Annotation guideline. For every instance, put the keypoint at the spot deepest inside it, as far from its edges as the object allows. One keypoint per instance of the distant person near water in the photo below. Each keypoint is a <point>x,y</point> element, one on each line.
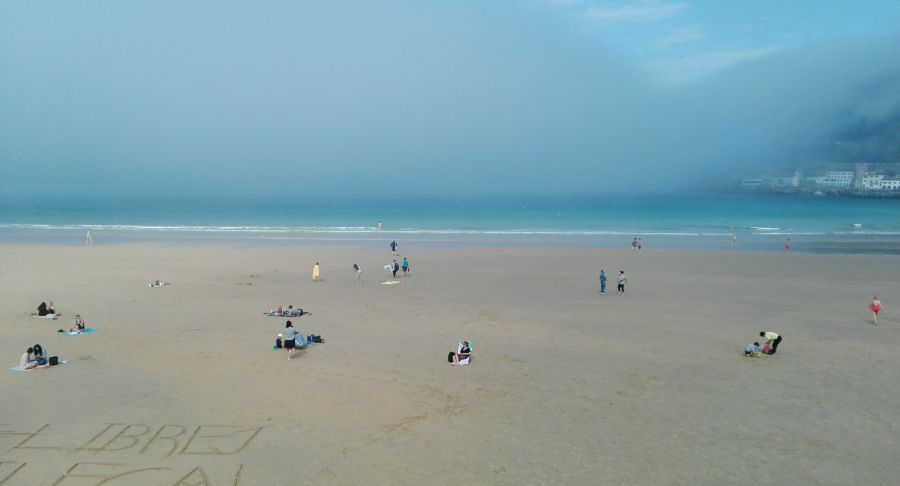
<point>621,281</point>
<point>787,245</point>
<point>773,339</point>
<point>88,239</point>
<point>394,268</point>
<point>394,246</point>
<point>875,306</point>
<point>640,245</point>
<point>405,267</point>
<point>602,282</point>
<point>634,244</point>
<point>733,241</point>
<point>358,271</point>
<point>315,273</point>
<point>379,226</point>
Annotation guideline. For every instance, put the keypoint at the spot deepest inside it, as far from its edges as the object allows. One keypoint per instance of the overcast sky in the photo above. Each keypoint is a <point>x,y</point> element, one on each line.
<point>171,98</point>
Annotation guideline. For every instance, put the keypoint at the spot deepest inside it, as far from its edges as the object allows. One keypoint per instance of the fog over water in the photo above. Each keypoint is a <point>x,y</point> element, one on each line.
<point>201,99</point>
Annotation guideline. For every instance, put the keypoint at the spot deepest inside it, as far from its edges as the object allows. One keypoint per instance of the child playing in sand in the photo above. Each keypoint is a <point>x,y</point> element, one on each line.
<point>752,350</point>
<point>875,307</point>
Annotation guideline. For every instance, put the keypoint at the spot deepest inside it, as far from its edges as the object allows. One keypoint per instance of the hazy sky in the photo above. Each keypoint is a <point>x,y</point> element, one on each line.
<point>293,99</point>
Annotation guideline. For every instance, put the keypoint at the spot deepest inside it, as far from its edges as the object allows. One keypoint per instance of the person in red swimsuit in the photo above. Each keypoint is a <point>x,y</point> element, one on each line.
<point>875,307</point>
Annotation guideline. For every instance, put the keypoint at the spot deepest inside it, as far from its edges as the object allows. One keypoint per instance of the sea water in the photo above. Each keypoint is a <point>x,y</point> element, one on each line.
<point>703,221</point>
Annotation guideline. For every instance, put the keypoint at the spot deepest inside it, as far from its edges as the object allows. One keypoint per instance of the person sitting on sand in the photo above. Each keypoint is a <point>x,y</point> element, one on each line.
<point>40,358</point>
<point>50,309</point>
<point>291,312</point>
<point>280,311</point>
<point>78,328</point>
<point>773,339</point>
<point>26,361</point>
<point>290,339</point>
<point>752,350</point>
<point>464,352</point>
<point>42,310</point>
<point>875,307</point>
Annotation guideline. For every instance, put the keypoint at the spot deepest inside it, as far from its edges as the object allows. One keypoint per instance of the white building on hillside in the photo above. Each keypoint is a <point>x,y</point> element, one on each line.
<point>837,179</point>
<point>872,182</point>
<point>890,184</point>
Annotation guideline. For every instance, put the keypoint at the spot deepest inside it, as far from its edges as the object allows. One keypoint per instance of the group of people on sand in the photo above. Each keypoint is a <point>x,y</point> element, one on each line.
<point>45,310</point>
<point>32,358</point>
<point>620,282</point>
<point>288,311</point>
<point>392,267</point>
<point>772,340</point>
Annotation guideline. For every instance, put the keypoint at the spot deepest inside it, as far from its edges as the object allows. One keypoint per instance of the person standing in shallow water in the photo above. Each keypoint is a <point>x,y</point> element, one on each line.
<point>602,282</point>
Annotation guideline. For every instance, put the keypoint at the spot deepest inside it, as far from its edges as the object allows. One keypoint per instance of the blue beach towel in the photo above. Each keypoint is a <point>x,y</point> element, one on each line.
<point>87,330</point>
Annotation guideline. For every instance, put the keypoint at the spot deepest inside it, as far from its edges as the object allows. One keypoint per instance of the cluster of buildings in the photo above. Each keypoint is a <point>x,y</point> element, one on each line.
<point>858,181</point>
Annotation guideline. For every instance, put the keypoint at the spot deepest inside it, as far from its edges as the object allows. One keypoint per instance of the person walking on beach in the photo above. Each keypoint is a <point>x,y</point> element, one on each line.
<point>358,270</point>
<point>88,239</point>
<point>875,306</point>
<point>773,339</point>
<point>621,281</point>
<point>634,244</point>
<point>394,247</point>
<point>733,241</point>
<point>602,282</point>
<point>405,267</point>
<point>787,245</point>
<point>640,245</point>
<point>315,273</point>
<point>394,268</point>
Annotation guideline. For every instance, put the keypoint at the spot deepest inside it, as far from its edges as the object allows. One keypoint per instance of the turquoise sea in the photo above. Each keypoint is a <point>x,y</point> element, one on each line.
<point>703,221</point>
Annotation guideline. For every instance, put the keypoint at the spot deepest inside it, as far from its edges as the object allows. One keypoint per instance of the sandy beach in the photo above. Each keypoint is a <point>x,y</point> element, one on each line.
<point>180,385</point>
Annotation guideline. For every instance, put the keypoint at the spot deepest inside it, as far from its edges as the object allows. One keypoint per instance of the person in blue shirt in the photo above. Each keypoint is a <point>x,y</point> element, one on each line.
<point>752,350</point>
<point>405,266</point>
<point>602,282</point>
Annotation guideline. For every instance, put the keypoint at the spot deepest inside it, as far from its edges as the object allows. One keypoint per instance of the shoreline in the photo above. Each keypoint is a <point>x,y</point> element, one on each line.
<point>850,244</point>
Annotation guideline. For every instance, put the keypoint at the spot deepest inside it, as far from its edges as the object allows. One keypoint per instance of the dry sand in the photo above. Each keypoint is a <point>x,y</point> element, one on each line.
<point>566,387</point>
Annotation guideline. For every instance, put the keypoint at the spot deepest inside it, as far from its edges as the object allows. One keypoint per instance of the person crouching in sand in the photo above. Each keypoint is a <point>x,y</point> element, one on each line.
<point>752,350</point>
<point>875,307</point>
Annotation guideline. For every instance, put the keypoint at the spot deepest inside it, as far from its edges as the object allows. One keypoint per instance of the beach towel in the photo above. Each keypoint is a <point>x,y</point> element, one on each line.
<point>41,367</point>
<point>48,316</point>
<point>392,282</point>
<point>86,330</point>
<point>161,285</point>
<point>459,348</point>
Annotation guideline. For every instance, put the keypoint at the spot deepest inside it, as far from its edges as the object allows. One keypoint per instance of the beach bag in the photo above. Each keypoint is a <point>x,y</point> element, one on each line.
<point>54,360</point>
<point>278,343</point>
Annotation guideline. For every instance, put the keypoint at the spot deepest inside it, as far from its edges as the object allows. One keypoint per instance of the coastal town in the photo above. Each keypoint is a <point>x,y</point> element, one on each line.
<point>857,180</point>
